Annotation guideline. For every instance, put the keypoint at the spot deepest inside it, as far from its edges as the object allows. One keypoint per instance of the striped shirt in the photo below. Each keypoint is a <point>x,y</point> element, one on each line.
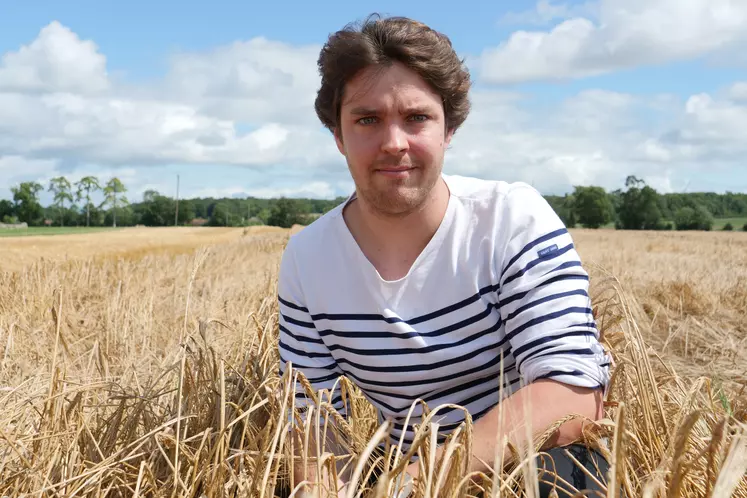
<point>500,283</point>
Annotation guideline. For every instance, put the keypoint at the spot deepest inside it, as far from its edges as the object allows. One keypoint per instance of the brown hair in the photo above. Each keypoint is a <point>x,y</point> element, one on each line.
<point>385,41</point>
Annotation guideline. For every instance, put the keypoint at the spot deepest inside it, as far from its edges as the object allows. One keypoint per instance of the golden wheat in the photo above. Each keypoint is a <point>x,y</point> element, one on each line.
<point>154,373</point>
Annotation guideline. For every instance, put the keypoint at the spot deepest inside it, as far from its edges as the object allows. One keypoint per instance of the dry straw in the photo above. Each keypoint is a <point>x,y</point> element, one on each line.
<point>157,376</point>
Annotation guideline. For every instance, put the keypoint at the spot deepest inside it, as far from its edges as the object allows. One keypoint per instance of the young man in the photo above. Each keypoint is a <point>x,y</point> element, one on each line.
<point>422,285</point>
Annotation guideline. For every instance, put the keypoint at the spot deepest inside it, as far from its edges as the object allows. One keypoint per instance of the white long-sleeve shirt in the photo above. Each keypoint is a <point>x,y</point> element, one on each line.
<point>499,281</point>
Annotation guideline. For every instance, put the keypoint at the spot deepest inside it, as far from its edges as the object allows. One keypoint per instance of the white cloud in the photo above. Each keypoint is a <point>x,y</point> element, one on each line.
<point>629,33</point>
<point>56,101</point>
<point>315,190</point>
<point>546,12</point>
<point>599,137</point>
<point>252,81</point>
<point>57,60</point>
<point>738,91</point>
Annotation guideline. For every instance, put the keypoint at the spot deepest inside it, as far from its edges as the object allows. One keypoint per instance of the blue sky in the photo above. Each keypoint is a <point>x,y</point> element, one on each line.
<point>221,93</point>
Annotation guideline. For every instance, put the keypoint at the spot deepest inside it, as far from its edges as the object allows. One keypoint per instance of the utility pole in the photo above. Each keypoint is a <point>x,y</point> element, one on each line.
<point>176,214</point>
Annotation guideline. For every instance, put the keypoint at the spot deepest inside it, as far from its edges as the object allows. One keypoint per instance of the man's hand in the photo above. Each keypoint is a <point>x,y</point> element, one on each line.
<point>548,402</point>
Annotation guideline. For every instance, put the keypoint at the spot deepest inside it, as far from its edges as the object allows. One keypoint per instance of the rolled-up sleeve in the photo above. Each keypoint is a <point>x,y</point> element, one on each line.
<point>299,344</point>
<point>544,299</point>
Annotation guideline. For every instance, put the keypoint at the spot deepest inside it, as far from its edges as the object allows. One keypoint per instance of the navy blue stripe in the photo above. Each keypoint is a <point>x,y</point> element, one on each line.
<point>547,318</point>
<point>544,238</point>
<point>454,390</point>
<point>298,366</point>
<point>326,378</point>
<point>433,380</point>
<point>420,368</point>
<point>605,365</point>
<point>575,292</point>
<point>300,323</point>
<point>541,259</point>
<point>558,373</point>
<point>367,334</point>
<point>521,295</point>
<point>507,370</point>
<point>548,338</point>
<point>412,321</point>
<point>312,340</point>
<point>464,403</point>
<point>292,305</point>
<point>565,266</point>
<point>427,349</point>
<point>305,354</point>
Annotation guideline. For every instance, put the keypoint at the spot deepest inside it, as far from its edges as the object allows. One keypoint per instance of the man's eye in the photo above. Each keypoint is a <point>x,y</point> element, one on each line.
<point>367,120</point>
<point>419,117</point>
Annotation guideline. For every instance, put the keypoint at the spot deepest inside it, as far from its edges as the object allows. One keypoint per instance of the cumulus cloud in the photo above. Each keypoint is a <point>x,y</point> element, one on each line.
<point>546,12</point>
<point>57,60</point>
<point>628,33</point>
<point>738,91</point>
<point>599,137</point>
<point>252,81</point>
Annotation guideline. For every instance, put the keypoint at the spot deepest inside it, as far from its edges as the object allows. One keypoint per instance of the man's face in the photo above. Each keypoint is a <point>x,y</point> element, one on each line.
<point>392,133</point>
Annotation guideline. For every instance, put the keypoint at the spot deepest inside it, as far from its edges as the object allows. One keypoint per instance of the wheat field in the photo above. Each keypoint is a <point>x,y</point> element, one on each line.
<point>143,363</point>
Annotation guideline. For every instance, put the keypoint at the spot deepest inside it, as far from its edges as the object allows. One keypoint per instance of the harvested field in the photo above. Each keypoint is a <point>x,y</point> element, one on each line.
<point>18,252</point>
<point>154,374</point>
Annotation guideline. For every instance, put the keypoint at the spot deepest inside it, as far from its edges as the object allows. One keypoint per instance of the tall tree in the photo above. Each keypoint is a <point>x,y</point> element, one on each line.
<point>26,199</point>
<point>593,207</point>
<point>62,190</point>
<point>113,196</point>
<point>6,211</point>
<point>85,186</point>
<point>639,206</point>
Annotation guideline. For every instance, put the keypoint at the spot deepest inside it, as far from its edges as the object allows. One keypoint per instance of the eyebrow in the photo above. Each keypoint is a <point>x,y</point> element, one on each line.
<point>363,111</point>
<point>366,111</point>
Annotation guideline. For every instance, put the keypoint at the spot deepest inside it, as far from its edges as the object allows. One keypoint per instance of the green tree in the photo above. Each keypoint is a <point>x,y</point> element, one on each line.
<point>158,210</point>
<point>6,209</point>
<point>639,207</point>
<point>113,197</point>
<point>285,213</point>
<point>563,207</point>
<point>85,186</point>
<point>698,218</point>
<point>592,206</point>
<point>62,190</point>
<point>221,216</point>
<point>26,199</point>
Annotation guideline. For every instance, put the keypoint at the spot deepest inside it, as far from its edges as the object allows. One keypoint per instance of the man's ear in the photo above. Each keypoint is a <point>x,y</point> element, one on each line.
<point>338,140</point>
<point>447,137</point>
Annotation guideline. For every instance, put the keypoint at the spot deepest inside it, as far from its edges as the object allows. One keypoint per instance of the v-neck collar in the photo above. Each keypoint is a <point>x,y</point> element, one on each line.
<point>433,244</point>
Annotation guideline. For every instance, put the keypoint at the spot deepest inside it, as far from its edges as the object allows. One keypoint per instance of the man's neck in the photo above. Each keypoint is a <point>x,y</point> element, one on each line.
<point>391,243</point>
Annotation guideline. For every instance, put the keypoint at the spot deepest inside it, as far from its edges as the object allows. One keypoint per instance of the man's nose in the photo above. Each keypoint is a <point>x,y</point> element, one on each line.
<point>395,140</point>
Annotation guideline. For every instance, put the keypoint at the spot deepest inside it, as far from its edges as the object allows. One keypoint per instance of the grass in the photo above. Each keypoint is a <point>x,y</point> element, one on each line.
<point>155,375</point>
<point>30,231</point>
<point>738,223</point>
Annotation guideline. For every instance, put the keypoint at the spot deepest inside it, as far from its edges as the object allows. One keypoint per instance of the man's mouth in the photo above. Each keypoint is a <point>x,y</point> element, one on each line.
<point>396,171</point>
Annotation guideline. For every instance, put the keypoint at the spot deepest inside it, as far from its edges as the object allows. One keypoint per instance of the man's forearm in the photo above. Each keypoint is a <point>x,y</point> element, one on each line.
<point>533,408</point>
<point>536,406</point>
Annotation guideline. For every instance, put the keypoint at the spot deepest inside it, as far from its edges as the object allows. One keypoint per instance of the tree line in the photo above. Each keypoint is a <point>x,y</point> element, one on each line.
<point>73,205</point>
<point>637,206</point>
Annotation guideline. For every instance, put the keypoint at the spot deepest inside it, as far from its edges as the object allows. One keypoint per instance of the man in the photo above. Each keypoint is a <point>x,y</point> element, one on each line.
<point>422,285</point>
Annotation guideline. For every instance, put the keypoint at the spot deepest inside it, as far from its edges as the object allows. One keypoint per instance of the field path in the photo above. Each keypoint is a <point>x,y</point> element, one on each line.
<point>18,252</point>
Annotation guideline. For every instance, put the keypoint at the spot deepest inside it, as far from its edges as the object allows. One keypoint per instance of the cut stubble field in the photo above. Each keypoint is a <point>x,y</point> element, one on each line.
<point>142,362</point>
